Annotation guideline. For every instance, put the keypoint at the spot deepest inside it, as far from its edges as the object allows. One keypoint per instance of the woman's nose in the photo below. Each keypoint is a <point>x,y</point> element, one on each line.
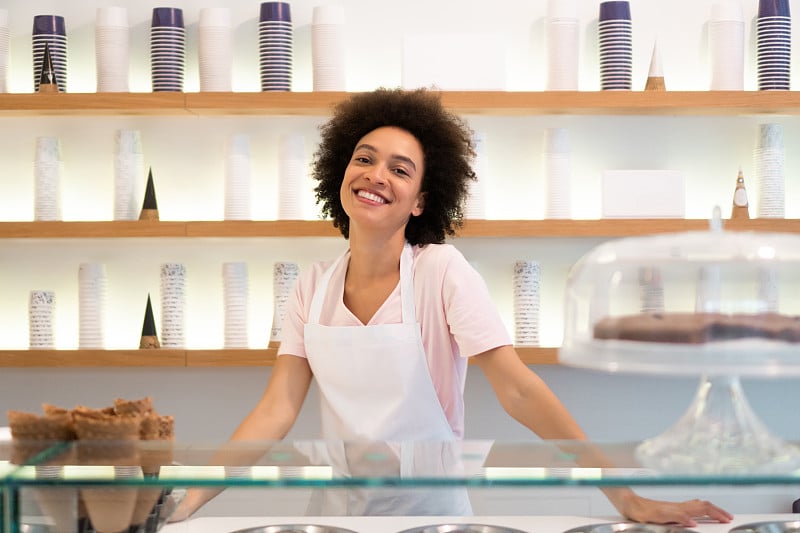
<point>376,175</point>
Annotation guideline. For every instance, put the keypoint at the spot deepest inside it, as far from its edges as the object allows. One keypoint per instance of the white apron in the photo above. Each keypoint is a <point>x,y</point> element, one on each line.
<point>375,385</point>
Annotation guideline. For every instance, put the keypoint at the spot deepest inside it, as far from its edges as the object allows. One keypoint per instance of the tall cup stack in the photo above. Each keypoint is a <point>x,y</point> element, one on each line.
<point>284,275</point>
<point>4,39</point>
<point>112,49</point>
<point>328,48</point>
<point>167,49</point>
<point>47,169</point>
<point>173,305</point>
<point>557,173</point>
<point>92,294</point>
<point>774,45</point>
<point>235,291</point>
<point>291,177</point>
<point>476,201</point>
<point>527,283</point>
<point>769,158</point>
<point>129,174</point>
<point>615,42</point>
<point>562,45</point>
<point>726,46</point>
<point>215,49</point>
<point>50,31</point>
<point>41,312</point>
<point>237,178</point>
<point>275,46</point>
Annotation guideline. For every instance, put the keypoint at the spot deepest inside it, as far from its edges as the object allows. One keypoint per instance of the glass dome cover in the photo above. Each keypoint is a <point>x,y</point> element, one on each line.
<point>700,302</point>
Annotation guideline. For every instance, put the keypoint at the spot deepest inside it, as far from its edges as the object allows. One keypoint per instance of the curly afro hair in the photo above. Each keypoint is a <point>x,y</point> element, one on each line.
<point>446,144</point>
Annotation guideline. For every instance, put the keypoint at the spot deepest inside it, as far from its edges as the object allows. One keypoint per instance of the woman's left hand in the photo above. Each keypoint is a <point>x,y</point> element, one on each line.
<point>639,509</point>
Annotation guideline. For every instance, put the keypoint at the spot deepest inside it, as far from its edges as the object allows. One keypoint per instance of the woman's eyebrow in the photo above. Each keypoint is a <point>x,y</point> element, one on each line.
<point>398,157</point>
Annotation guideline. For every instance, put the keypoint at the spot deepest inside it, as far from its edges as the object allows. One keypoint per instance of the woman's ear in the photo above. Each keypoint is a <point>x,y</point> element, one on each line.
<point>419,207</point>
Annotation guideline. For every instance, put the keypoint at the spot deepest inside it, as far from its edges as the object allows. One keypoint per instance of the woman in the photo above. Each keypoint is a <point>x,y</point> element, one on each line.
<point>386,328</point>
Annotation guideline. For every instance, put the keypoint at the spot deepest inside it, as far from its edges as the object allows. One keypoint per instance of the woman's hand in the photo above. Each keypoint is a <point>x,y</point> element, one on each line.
<point>639,509</point>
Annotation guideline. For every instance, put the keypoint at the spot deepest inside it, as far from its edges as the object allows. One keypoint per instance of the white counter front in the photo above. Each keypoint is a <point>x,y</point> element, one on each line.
<point>395,524</point>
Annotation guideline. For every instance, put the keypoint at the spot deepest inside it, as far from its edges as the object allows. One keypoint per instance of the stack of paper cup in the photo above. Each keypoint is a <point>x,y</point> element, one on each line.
<point>275,46</point>
<point>651,288</point>
<point>235,292</point>
<point>41,311</point>
<point>476,201</point>
<point>768,289</point>
<point>284,276</point>
<point>726,46</point>
<point>774,43</point>
<point>173,305</point>
<point>237,178</point>
<point>527,282</point>
<point>328,48</point>
<point>129,174</point>
<point>91,305</point>
<point>112,49</point>
<point>769,158</point>
<point>167,49</point>
<point>615,33</point>
<point>215,49</point>
<point>557,173</point>
<point>4,32</point>
<point>47,179</point>
<point>291,176</point>
<point>562,43</point>
<point>50,31</point>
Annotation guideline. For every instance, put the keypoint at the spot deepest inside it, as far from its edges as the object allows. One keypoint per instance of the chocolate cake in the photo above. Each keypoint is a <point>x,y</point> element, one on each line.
<point>698,328</point>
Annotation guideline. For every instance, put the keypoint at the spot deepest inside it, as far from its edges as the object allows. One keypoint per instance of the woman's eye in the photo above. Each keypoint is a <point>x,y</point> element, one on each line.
<point>401,171</point>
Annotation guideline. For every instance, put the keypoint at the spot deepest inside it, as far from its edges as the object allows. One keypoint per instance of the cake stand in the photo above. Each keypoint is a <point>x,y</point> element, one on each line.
<point>733,273</point>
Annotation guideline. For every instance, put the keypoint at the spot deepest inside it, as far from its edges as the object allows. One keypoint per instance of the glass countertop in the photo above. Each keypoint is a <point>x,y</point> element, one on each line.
<point>352,464</point>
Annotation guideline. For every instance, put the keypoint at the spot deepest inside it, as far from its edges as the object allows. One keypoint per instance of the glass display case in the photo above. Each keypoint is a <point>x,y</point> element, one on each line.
<point>114,486</point>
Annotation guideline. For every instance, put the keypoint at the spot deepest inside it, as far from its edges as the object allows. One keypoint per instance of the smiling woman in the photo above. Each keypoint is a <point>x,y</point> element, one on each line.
<point>386,329</point>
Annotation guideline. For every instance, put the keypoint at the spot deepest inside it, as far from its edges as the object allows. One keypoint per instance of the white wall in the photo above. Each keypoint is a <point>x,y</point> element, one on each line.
<point>185,154</point>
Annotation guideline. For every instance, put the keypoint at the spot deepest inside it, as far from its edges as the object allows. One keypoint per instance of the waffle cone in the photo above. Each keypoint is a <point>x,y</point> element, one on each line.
<point>140,407</point>
<point>146,500</point>
<point>107,440</point>
<point>109,509</point>
<point>32,434</point>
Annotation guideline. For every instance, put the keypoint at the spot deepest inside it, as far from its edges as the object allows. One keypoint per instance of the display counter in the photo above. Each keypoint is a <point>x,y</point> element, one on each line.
<point>84,486</point>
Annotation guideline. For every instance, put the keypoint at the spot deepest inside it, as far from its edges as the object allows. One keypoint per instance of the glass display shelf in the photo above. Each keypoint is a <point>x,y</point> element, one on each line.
<point>97,486</point>
<point>345,464</point>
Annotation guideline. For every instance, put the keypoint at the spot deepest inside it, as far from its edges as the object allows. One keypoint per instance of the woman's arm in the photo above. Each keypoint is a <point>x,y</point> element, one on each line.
<point>528,399</point>
<point>270,420</point>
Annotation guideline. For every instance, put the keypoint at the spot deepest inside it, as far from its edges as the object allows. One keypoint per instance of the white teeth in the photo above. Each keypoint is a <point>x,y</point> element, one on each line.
<point>370,196</point>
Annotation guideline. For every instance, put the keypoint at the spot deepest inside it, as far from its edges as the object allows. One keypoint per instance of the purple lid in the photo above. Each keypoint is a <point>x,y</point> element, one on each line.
<point>615,10</point>
<point>49,25</point>
<point>773,8</point>
<point>167,16</point>
<point>275,11</point>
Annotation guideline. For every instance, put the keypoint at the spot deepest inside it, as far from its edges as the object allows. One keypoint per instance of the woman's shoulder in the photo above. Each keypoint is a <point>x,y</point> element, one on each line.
<point>439,256</point>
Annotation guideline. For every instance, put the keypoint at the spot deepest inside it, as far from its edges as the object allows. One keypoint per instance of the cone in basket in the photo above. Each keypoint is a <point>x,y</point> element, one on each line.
<point>149,338</point>
<point>48,82</point>
<point>107,439</point>
<point>655,77</point>
<point>149,205</point>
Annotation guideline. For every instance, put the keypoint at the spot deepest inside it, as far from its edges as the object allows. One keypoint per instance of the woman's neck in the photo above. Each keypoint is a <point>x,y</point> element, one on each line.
<point>374,258</point>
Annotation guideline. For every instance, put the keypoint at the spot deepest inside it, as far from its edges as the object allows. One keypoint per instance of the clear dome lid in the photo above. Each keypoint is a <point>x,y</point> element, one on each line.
<point>719,302</point>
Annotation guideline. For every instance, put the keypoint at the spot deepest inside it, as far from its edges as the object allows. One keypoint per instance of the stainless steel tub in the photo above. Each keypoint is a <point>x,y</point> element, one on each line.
<point>629,527</point>
<point>295,528</point>
<point>793,526</point>
<point>462,528</point>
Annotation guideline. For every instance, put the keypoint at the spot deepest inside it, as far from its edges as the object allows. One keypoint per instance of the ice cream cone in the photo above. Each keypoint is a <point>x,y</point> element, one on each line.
<point>149,338</point>
<point>149,205</point>
<point>48,82</point>
<point>655,77</point>
<point>108,440</point>
<point>32,435</point>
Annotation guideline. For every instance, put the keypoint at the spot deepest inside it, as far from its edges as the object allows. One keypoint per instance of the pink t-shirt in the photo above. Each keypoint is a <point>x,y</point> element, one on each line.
<point>454,309</point>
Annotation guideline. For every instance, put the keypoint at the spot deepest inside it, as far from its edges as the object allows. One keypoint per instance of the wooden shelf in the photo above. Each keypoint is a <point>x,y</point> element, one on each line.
<point>185,358</point>
<point>464,102</point>
<point>322,228</point>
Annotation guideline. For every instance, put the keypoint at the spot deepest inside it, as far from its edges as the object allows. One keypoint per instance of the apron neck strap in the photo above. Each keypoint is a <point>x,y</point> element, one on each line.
<point>406,287</point>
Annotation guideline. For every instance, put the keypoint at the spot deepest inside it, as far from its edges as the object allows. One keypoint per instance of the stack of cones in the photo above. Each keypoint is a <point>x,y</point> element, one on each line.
<point>131,437</point>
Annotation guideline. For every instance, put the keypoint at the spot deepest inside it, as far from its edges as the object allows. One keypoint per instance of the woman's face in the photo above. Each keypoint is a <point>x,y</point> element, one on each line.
<point>381,186</point>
